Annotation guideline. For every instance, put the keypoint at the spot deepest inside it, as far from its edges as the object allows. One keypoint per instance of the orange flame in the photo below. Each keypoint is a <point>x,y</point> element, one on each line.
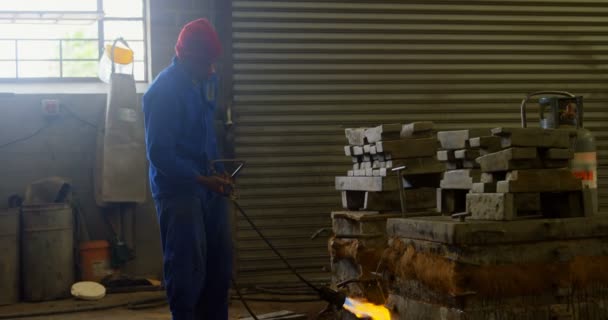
<point>363,309</point>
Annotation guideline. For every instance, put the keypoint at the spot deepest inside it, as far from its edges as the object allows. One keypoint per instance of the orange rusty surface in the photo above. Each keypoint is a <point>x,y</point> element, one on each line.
<point>446,276</point>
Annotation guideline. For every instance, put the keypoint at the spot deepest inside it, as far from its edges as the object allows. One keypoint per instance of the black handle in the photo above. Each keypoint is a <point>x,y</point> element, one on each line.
<point>524,120</point>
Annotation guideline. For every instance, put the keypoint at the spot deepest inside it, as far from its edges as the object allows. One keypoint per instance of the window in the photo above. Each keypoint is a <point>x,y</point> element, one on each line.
<point>64,38</point>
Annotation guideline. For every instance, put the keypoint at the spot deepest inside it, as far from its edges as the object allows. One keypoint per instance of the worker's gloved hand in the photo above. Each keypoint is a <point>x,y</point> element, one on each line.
<point>218,183</point>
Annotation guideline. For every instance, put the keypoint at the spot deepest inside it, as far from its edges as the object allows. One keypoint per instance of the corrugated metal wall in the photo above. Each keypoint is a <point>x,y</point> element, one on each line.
<point>303,69</point>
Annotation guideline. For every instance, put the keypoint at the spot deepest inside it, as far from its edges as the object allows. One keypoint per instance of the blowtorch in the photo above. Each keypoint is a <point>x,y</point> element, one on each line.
<point>327,294</point>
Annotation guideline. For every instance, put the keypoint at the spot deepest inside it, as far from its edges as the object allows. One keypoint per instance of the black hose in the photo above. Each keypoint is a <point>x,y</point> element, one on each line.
<point>238,292</point>
<point>289,266</point>
<point>279,300</point>
<point>286,291</point>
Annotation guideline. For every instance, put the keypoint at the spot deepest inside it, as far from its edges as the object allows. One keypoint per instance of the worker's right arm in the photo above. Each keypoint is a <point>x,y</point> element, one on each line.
<point>162,123</point>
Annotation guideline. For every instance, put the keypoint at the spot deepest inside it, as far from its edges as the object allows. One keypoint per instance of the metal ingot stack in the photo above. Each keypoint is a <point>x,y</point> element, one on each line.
<point>373,184</point>
<point>530,249</point>
<point>371,195</point>
<point>462,170</point>
<point>528,178</point>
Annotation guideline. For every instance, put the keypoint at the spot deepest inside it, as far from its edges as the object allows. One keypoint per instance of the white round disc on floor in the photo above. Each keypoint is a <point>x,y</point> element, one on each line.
<point>88,290</point>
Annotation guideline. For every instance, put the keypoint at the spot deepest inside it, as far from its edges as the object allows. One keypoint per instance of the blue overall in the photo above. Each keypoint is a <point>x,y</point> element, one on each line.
<point>194,223</point>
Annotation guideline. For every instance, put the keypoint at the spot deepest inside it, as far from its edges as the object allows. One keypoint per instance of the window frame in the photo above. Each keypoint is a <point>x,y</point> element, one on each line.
<point>101,41</point>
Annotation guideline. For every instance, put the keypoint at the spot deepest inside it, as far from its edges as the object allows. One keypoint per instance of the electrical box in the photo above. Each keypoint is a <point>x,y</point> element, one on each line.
<point>50,107</point>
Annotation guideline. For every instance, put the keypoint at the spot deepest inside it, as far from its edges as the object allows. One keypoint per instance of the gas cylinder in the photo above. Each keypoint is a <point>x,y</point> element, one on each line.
<point>564,111</point>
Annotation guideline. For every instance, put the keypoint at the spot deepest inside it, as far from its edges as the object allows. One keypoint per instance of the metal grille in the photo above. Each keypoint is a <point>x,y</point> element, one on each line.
<point>303,70</point>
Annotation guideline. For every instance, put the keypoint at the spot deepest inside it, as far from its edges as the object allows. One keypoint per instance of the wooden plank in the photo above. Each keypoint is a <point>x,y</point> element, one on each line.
<point>460,179</point>
<point>557,154</point>
<point>419,198</point>
<point>504,160</point>
<point>540,180</point>
<point>417,130</point>
<point>533,137</point>
<point>458,139</point>
<point>446,155</point>
<point>481,187</point>
<point>417,165</point>
<point>555,164</point>
<point>488,143</point>
<point>383,132</point>
<point>355,136</point>
<point>467,154</point>
<point>366,183</point>
<point>527,202</point>
<point>405,149</point>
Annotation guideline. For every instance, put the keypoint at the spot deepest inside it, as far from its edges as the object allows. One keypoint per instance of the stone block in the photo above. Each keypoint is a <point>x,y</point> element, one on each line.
<point>460,179</point>
<point>348,151</point>
<point>503,206</point>
<point>355,136</point>
<point>446,155</point>
<point>445,230</point>
<point>366,183</point>
<point>359,223</point>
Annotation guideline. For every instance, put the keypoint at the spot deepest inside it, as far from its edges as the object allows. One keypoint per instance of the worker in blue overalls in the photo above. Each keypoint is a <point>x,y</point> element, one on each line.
<point>179,110</point>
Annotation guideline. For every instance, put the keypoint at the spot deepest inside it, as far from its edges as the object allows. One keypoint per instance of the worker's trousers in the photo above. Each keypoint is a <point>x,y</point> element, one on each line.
<point>197,250</point>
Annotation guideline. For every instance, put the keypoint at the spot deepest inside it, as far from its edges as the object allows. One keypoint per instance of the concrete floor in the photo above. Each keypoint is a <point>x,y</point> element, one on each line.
<point>159,313</point>
<point>236,312</point>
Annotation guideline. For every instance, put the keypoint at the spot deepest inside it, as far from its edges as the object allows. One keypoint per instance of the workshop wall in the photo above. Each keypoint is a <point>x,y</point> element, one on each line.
<point>66,145</point>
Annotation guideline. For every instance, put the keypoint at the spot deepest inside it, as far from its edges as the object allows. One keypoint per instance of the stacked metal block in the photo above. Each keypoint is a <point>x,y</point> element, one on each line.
<point>373,184</point>
<point>459,156</point>
<point>529,177</point>
<point>372,192</point>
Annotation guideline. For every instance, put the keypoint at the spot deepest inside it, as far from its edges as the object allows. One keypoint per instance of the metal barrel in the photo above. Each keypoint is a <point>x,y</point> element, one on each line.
<point>47,251</point>
<point>9,256</point>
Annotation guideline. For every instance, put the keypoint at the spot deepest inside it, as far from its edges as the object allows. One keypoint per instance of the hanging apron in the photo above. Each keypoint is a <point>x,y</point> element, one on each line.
<point>121,167</point>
